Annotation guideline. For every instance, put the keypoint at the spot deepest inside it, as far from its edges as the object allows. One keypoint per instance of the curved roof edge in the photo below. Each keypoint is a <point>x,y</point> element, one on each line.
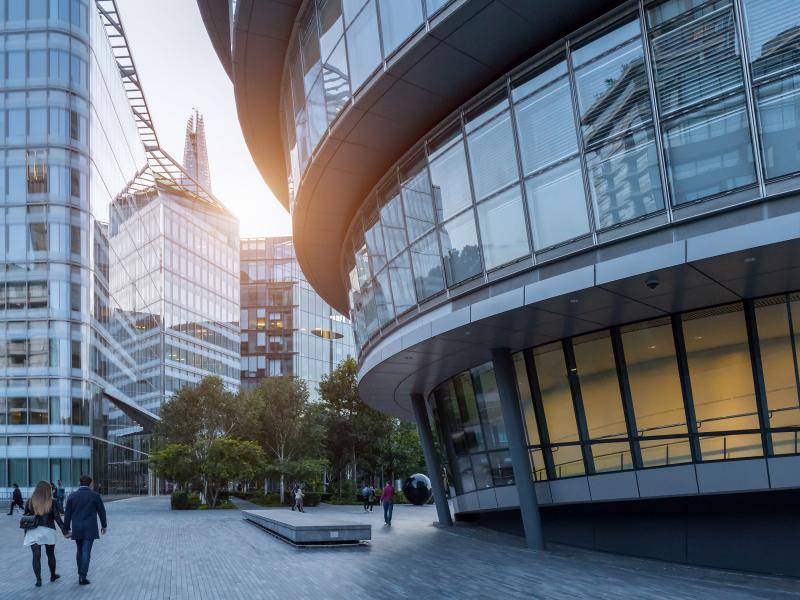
<point>261,36</point>
<point>216,18</point>
<point>463,50</point>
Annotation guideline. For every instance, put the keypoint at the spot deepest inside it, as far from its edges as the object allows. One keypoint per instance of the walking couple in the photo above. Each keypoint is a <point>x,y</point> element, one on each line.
<point>83,508</point>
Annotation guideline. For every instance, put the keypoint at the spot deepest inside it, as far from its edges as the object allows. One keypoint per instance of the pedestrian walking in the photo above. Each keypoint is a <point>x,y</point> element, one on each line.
<point>84,507</point>
<point>60,493</point>
<point>16,500</point>
<point>365,496</point>
<point>41,530</point>
<point>371,497</point>
<point>298,498</point>
<point>387,499</point>
<point>294,495</point>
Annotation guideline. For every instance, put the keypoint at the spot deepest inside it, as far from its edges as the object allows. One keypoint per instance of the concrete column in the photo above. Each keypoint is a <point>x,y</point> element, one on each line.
<point>431,459</point>
<point>517,446</point>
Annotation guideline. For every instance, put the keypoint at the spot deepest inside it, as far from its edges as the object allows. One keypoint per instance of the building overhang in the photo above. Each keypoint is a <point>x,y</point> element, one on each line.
<point>749,253</point>
<point>216,18</point>
<point>141,416</point>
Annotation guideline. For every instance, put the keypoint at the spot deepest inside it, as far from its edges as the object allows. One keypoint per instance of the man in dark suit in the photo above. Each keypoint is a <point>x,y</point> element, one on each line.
<point>84,506</point>
<point>16,500</point>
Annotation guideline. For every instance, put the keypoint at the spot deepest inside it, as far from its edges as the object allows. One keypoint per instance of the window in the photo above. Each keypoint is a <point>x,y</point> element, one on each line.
<point>491,151</point>
<point>557,205</point>
<point>383,298</point>
<point>779,120</point>
<point>18,411</point>
<point>37,64</point>
<point>504,237</point>
<point>363,45</point>
<point>75,183</point>
<point>336,81</point>
<point>399,19</point>
<point>656,391</point>
<point>462,256</point>
<point>402,283</point>
<point>602,403</point>
<point>394,232</point>
<point>450,180</point>
<point>771,36</point>
<point>38,236</point>
<point>722,381</point>
<point>375,247</point>
<point>331,25</point>
<point>36,171</point>
<point>491,415</point>
<point>417,199</point>
<point>778,367</point>
<point>76,355</point>
<point>529,417</point>
<point>551,372</point>
<point>427,264</point>
<point>16,65</point>
<point>456,402</point>
<point>38,407</point>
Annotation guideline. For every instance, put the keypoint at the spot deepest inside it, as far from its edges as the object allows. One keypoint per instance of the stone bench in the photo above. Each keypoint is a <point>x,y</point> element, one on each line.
<point>309,529</point>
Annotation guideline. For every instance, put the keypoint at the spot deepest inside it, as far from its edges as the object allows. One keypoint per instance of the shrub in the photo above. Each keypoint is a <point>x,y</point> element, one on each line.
<point>184,500</point>
<point>311,499</point>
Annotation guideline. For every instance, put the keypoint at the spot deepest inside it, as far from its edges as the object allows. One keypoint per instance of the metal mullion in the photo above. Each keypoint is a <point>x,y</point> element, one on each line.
<point>686,388</point>
<point>657,131</point>
<point>576,114</point>
<point>538,409</point>
<point>512,113</point>
<point>473,199</point>
<point>744,56</point>
<point>794,346</point>
<point>754,347</point>
<point>577,404</point>
<point>625,394</point>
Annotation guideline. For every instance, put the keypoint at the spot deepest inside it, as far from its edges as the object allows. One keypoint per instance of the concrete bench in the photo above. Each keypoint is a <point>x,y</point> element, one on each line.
<point>309,529</point>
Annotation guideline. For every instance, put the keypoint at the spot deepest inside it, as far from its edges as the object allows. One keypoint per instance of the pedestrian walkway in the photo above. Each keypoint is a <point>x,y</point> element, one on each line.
<point>152,553</point>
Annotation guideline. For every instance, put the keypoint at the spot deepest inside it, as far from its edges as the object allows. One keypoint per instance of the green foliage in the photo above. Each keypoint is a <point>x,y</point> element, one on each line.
<point>230,459</point>
<point>184,501</point>
<point>175,462</point>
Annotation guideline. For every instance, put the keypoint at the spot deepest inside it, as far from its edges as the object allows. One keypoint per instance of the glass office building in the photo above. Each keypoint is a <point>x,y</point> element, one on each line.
<point>566,235</point>
<point>287,329</point>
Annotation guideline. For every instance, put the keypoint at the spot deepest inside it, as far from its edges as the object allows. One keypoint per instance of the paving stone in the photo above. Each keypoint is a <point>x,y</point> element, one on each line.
<point>152,553</point>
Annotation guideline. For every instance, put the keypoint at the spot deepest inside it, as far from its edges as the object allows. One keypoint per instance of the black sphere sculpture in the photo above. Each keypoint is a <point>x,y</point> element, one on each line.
<point>417,489</point>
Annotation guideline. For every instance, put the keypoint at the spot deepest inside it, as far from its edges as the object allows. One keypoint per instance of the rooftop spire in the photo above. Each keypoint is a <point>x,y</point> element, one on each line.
<point>195,151</point>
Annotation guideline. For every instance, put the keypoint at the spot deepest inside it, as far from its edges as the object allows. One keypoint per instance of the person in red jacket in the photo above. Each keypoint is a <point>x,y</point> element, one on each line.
<point>387,499</point>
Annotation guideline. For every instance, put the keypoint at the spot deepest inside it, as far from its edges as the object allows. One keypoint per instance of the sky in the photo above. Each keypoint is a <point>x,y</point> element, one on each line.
<point>179,70</point>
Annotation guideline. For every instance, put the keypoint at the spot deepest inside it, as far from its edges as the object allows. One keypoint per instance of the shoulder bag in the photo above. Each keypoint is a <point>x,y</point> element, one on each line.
<point>29,522</point>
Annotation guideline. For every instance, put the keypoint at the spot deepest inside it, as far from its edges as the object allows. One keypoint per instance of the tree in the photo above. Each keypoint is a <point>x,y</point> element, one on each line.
<point>229,459</point>
<point>176,462</point>
<point>280,404</point>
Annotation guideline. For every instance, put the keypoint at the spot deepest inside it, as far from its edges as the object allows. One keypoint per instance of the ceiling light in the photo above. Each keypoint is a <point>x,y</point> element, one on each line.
<point>653,347</point>
<point>750,259</point>
<point>573,300</point>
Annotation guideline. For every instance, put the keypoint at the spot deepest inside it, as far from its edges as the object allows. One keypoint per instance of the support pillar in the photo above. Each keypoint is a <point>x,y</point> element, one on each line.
<point>515,430</point>
<point>431,459</point>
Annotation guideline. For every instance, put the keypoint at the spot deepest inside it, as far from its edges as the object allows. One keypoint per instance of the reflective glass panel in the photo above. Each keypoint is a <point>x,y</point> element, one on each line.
<point>309,48</point>
<point>450,181</point>
<point>602,403</point>
<point>557,205</point>
<point>709,151</point>
<point>399,19</point>
<point>778,367</point>
<point>462,256</point>
<point>624,178</point>
<point>551,372</point>
<point>613,92</point>
<point>722,381</point>
<point>779,125</point>
<point>377,250</point>
<point>335,81</point>
<point>529,417</point>
<point>331,25</point>
<point>402,282</point>
<point>363,45</point>
<point>465,476</point>
<point>545,120</point>
<point>394,231</point>
<point>502,469</point>
<point>772,39</point>
<point>383,298</point>
<point>494,427</point>
<point>503,233</point>
<point>492,156</point>
<point>482,471</point>
<point>656,391</point>
<point>458,405</point>
<point>428,274</point>
<point>417,199</point>
<point>696,55</point>
<point>433,5</point>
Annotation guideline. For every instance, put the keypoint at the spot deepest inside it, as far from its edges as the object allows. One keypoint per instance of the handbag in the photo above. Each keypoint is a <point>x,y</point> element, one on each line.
<point>29,522</point>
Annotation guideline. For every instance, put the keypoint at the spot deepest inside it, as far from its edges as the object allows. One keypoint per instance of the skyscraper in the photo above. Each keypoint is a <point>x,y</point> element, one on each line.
<point>195,151</point>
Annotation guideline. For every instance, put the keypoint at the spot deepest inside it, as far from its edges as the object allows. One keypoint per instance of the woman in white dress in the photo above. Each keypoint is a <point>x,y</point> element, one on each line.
<point>42,506</point>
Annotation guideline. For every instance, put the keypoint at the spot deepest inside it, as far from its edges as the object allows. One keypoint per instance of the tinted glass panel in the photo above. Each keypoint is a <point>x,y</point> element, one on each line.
<point>482,471</point>
<point>417,200</point>
<point>459,239</point>
<point>492,156</point>
<point>709,151</point>
<point>331,26</point>
<point>402,283</point>
<point>450,180</point>
<point>399,19</point>
<point>503,234</point>
<point>779,125</point>
<point>336,81</point>
<point>383,298</point>
<point>394,231</point>
<point>494,427</point>
<point>625,179</point>
<point>502,469</point>
<point>363,45</point>
<point>557,205</point>
<point>375,246</point>
<point>428,274</point>
<point>772,39</point>
<point>722,381</point>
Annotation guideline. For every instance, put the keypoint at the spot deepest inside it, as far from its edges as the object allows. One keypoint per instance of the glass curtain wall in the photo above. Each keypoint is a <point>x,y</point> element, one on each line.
<point>613,400</point>
<point>648,114</point>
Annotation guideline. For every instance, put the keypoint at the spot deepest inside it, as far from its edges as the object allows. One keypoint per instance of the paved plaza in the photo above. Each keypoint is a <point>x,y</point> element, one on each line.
<point>152,553</point>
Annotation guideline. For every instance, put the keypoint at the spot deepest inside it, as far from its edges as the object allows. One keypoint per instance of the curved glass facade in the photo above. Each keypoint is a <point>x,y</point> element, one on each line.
<point>715,384</point>
<point>665,112</point>
<point>339,44</point>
